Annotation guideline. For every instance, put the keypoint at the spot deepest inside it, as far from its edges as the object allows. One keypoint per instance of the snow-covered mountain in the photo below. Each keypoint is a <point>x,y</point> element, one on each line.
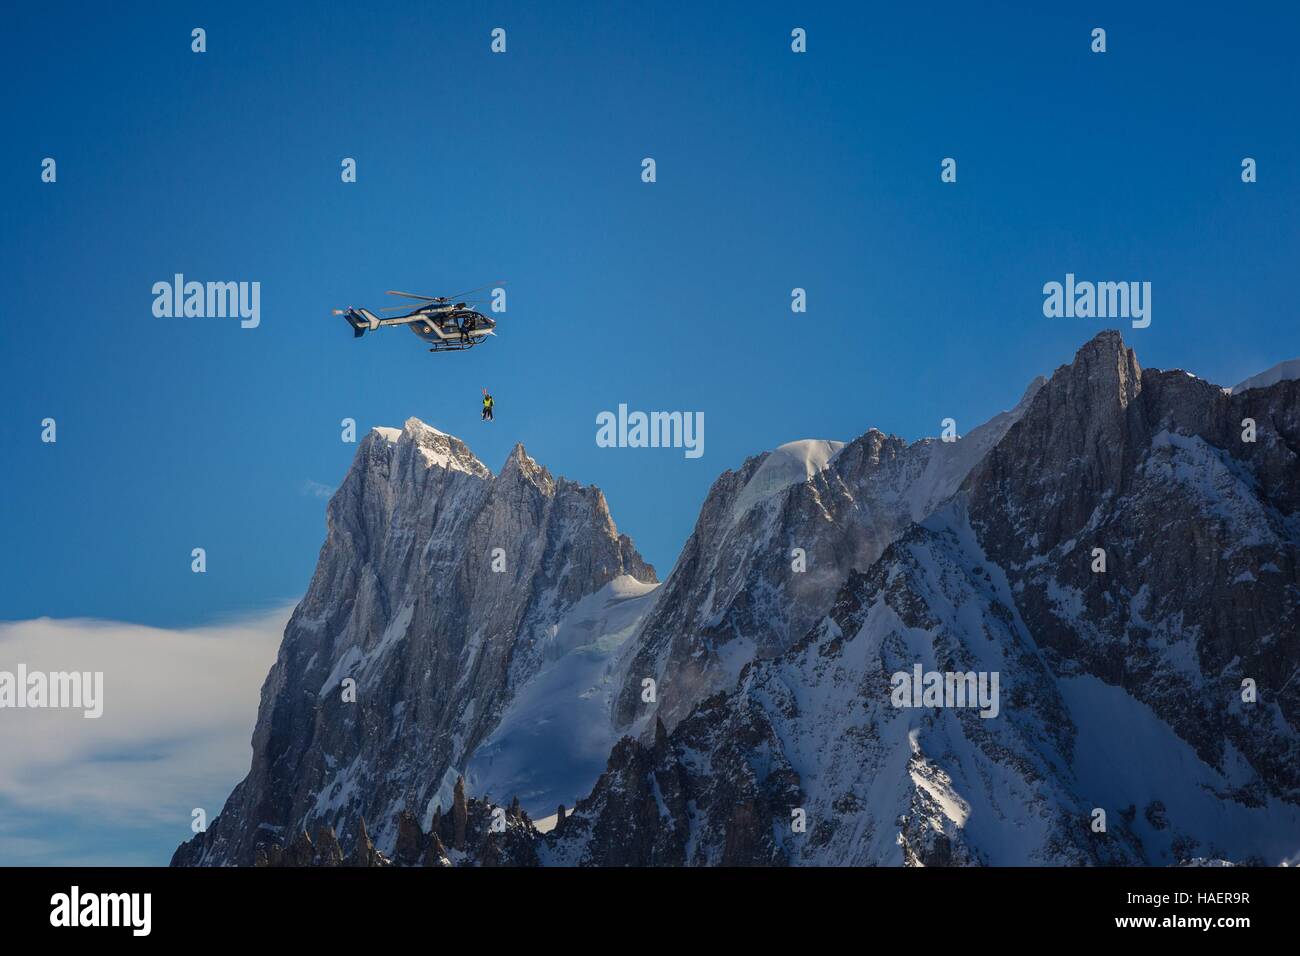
<point>1121,690</point>
<point>737,592</point>
<point>441,590</point>
<point>1280,372</point>
<point>1121,551</point>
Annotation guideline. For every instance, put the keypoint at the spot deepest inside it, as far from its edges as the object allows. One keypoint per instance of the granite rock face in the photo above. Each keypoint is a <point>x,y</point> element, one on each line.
<point>1122,557</point>
<point>1105,580</point>
<point>1200,531</point>
<point>437,590</point>
<point>772,545</point>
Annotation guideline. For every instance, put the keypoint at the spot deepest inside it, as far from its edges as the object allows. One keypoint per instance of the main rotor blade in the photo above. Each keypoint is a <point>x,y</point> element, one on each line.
<point>412,295</point>
<point>468,291</point>
<point>398,308</point>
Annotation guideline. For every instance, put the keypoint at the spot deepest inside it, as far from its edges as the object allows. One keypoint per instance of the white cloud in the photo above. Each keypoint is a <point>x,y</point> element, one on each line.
<point>179,709</point>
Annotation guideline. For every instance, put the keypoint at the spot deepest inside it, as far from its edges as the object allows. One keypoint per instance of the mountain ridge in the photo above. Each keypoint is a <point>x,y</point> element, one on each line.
<point>770,679</point>
<point>435,592</point>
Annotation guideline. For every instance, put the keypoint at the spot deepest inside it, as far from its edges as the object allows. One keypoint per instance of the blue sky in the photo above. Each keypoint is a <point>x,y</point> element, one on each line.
<point>775,170</point>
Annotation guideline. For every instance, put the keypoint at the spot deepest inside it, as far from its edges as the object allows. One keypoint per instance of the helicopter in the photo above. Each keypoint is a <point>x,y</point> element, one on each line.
<point>444,321</point>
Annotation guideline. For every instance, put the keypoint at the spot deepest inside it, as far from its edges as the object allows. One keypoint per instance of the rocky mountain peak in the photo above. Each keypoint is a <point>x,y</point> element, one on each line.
<point>439,449</point>
<point>1120,550</point>
<point>1122,553</point>
<point>520,466</point>
<point>436,595</point>
<point>772,544</point>
<point>1106,367</point>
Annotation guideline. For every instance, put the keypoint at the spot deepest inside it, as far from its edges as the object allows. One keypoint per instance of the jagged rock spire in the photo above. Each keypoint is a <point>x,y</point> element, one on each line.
<point>427,554</point>
<point>459,816</point>
<point>364,852</point>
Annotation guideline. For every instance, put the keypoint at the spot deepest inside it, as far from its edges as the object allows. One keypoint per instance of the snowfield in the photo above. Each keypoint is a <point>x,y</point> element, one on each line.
<point>789,464</point>
<point>1282,372</point>
<point>553,740</point>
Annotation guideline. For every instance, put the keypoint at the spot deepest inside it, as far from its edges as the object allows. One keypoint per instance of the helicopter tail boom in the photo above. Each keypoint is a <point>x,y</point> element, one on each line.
<point>361,320</point>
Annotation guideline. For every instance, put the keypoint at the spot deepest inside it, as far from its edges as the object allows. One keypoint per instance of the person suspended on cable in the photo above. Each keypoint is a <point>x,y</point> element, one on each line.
<point>487,406</point>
